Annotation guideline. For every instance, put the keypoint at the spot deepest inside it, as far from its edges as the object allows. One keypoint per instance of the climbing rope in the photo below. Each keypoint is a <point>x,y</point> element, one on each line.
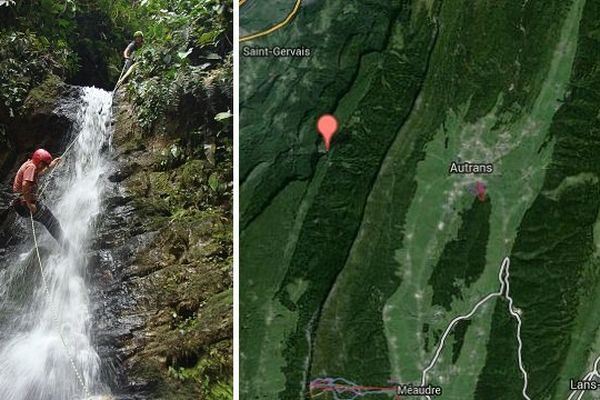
<point>54,312</point>
<point>67,149</point>
<point>125,69</point>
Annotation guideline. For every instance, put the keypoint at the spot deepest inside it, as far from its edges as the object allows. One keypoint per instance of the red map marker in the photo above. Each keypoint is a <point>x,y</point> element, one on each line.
<point>480,190</point>
<point>327,125</point>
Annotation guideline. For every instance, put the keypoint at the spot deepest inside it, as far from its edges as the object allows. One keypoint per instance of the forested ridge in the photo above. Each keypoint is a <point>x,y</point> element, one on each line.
<point>163,320</point>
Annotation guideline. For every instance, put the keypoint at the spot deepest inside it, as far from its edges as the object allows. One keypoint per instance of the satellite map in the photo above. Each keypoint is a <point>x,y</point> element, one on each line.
<point>419,197</point>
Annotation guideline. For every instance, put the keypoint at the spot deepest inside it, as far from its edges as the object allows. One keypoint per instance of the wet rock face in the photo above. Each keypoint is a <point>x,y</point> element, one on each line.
<point>10,234</point>
<point>162,272</point>
<point>45,121</point>
<point>48,114</point>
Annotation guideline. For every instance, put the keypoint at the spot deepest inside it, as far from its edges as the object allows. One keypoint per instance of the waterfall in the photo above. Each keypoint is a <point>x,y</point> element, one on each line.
<point>34,362</point>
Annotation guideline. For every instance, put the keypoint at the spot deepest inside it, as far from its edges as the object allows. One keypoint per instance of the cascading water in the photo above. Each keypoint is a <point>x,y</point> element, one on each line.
<point>34,362</point>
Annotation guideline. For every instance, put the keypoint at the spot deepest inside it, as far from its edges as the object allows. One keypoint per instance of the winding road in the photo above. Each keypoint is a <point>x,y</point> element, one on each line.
<point>342,386</point>
<point>275,27</point>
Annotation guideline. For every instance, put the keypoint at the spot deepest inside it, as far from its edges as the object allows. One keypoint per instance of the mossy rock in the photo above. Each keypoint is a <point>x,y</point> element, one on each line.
<point>44,98</point>
<point>161,185</point>
<point>212,372</point>
<point>192,173</point>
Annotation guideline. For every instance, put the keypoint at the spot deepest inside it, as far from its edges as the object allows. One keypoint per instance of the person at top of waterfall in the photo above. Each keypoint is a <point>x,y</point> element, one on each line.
<point>136,43</point>
<point>25,186</point>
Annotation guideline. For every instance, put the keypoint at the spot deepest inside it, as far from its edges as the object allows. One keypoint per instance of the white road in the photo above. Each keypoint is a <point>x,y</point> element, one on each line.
<point>504,291</point>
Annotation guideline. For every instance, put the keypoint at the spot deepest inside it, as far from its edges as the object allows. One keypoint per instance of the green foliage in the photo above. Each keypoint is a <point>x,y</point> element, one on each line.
<point>199,24</point>
<point>221,391</point>
<point>77,40</point>
<point>172,157</point>
<point>197,187</point>
<point>211,372</point>
<point>82,41</point>
<point>187,324</point>
<point>26,59</point>
<point>154,99</point>
<point>185,40</point>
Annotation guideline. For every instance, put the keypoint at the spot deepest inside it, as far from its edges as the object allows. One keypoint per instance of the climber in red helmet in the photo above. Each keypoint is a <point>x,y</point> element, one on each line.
<point>25,185</point>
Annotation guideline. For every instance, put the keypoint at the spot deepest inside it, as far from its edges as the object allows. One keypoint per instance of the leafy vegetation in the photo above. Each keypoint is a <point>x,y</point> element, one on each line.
<point>186,41</point>
<point>81,41</point>
<point>78,40</point>
<point>207,371</point>
<point>185,68</point>
<point>25,60</point>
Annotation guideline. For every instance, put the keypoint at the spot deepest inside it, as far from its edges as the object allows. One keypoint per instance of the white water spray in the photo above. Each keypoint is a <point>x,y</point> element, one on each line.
<point>34,363</point>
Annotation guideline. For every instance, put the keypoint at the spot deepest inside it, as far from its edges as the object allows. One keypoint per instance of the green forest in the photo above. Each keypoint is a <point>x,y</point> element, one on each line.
<point>81,42</point>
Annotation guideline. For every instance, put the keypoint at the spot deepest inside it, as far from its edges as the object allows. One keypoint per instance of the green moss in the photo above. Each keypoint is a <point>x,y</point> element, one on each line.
<point>26,59</point>
<point>44,96</point>
<point>212,372</point>
<point>192,173</point>
<point>184,194</point>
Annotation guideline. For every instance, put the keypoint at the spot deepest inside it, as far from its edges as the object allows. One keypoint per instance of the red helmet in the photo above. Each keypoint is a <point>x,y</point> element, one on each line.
<point>41,155</point>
